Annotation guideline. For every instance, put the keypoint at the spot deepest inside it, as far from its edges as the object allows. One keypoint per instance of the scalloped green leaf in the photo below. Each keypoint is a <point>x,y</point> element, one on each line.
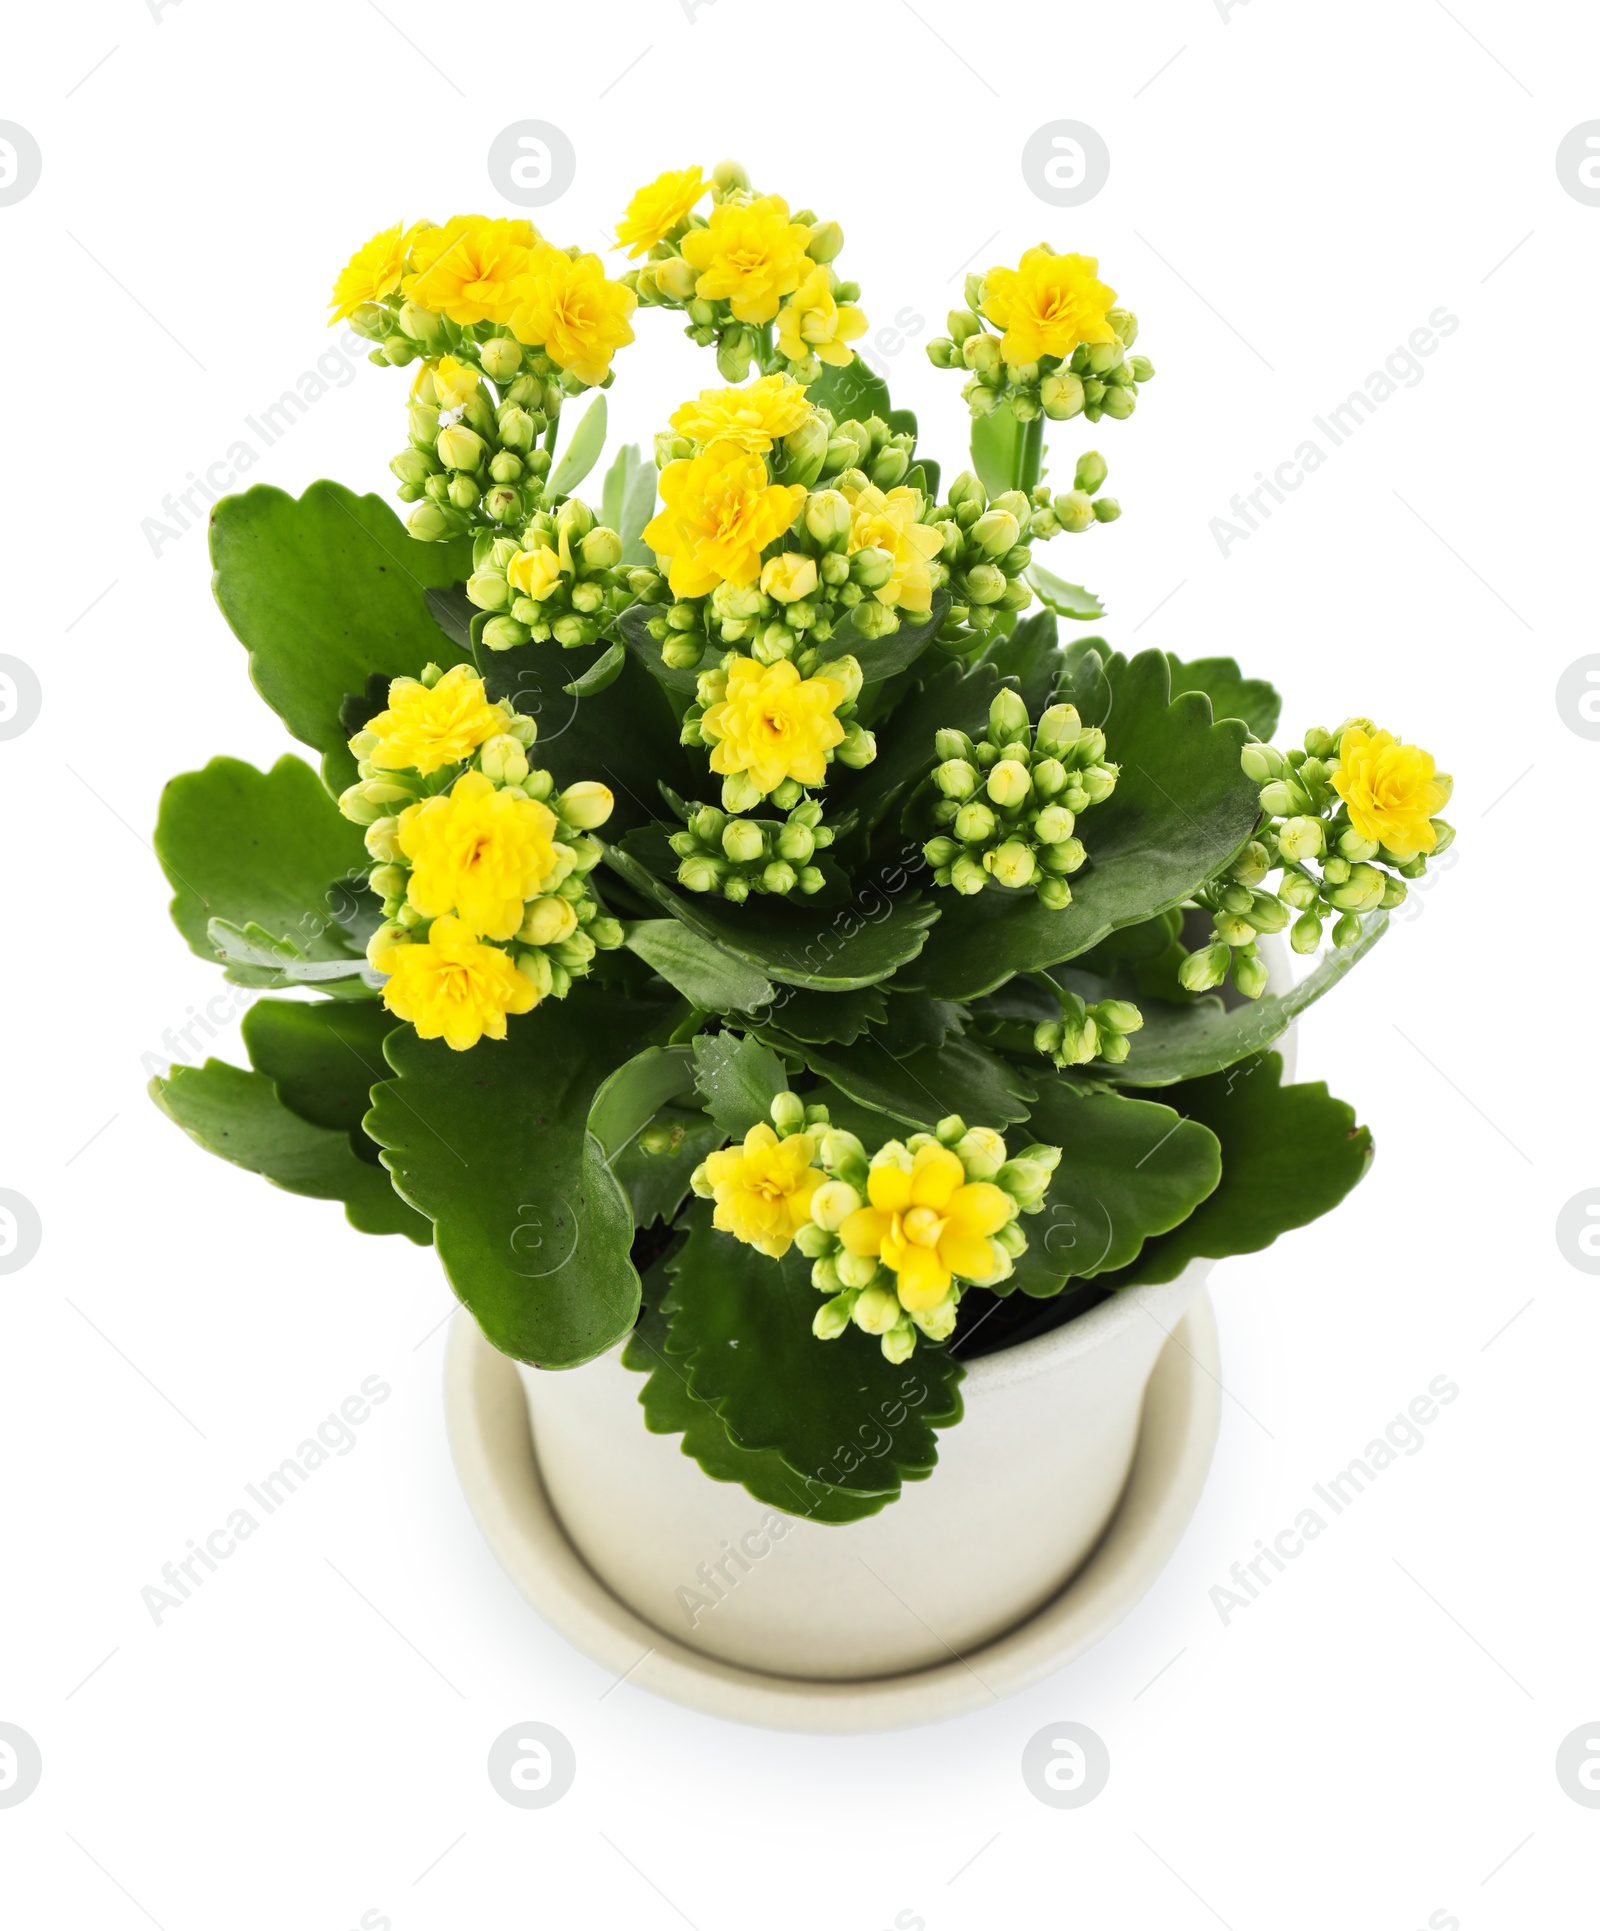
<point>826,1018</point>
<point>268,848</point>
<point>738,1078</point>
<point>831,949</point>
<point>1187,1042</point>
<point>581,453</point>
<point>626,1102</point>
<point>325,591</point>
<point>709,977</point>
<point>1181,808</point>
<point>601,674</point>
<point>852,393</point>
<point>324,1059</point>
<point>241,1117</point>
<point>839,1414</point>
<point>881,658</point>
<point>1289,1155</point>
<point>532,1226</point>
<point>1232,694</point>
<point>1130,1169</point>
<point>949,699</point>
<point>671,1409</point>
<point>926,1086</point>
<point>1068,600</point>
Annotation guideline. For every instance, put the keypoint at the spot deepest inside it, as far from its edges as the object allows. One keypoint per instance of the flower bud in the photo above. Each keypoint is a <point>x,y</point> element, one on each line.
<point>1054,824</point>
<point>858,747</point>
<point>1204,969</point>
<point>1267,914</point>
<point>827,238</point>
<point>1065,856</point>
<point>995,532</point>
<point>1261,764</point>
<point>1250,973</point>
<point>877,1309</point>
<point>967,874</point>
<point>460,447</point>
<point>1009,784</point>
<point>1061,395</point>
<point>1091,472</point>
<point>975,824</point>
<point>789,576</point>
<point>1053,893</point>
<point>701,874</point>
<point>956,779</point>
<point>1305,935</point>
<point>428,523</point>
<point>547,921</point>
<point>1059,729</point>
<point>1106,508</point>
<point>601,549</point>
<point>585,805</point>
<point>1012,864</point>
<point>744,841</point>
<point>1008,719</point>
<point>503,760</point>
<point>833,1317</point>
<point>950,744</point>
<point>871,567</point>
<point>488,590</point>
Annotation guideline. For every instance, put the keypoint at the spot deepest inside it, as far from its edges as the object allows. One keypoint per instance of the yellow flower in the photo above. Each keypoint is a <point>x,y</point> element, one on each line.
<point>658,208</point>
<point>1048,304</point>
<point>1391,790</point>
<point>811,322</point>
<point>372,272</point>
<point>929,1224</point>
<point>570,310</point>
<point>534,572</point>
<point>454,989</point>
<point>469,268</point>
<point>773,724</point>
<point>454,383</point>
<point>890,523</point>
<point>788,577</point>
<point>749,255</point>
<point>763,1189</point>
<point>720,514</point>
<point>479,853</point>
<point>754,417</point>
<point>423,730</point>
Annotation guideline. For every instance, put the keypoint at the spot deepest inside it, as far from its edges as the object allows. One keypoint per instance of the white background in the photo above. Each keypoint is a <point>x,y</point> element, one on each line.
<point>1294,188</point>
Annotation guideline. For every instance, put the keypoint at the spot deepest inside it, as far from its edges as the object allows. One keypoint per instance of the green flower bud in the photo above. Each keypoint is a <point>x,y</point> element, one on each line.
<point>744,841</point>
<point>1053,825</point>
<point>1250,973</point>
<point>538,969</point>
<point>488,591</point>
<point>982,1151</point>
<point>995,532</point>
<point>1059,729</point>
<point>1064,857</point>
<point>795,844</point>
<point>833,1203</point>
<point>1252,864</point>
<point>1061,395</point>
<point>1353,846</point>
<point>1361,892</point>
<point>1012,864</point>
<point>984,584</point>
<point>585,805</point>
<point>967,492</point>
<point>847,671</point>
<point>606,932</point>
<point>857,1270</point>
<point>1091,472</point>
<point>1049,776</point>
<point>503,760</point>
<point>1301,893</point>
<point>1204,969</point>
<point>957,779</point>
<point>805,449</point>
<point>967,874</point>
<point>833,1317</point>
<point>900,1343</point>
<point>1305,935</point>
<point>1008,719</point>
<point>428,523</point>
<point>827,238</point>
<point>940,852</point>
<point>889,468</point>
<point>858,747</point>
<point>682,653</point>
<point>1232,930</point>
<point>500,357</point>
<point>1282,798</point>
<point>975,824</point>
<point>953,744</point>
<point>788,1112</point>
<point>547,921</point>
<point>1107,509</point>
<point>1009,784</point>
<point>1268,914</point>
<point>1300,839</point>
<point>1053,893</point>
<point>871,567</point>
<point>1261,763</point>
<point>601,549</point>
<point>942,352</point>
<point>575,952</point>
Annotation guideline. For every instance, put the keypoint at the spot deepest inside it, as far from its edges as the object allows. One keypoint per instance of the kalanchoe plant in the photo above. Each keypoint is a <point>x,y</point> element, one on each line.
<point>735,881</point>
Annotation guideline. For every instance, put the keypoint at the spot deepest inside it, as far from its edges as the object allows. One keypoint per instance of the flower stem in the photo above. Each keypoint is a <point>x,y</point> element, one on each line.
<point>1030,455</point>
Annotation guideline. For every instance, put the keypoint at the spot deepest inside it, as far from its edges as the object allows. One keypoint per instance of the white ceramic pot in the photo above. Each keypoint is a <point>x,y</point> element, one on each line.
<point>1025,1484</point>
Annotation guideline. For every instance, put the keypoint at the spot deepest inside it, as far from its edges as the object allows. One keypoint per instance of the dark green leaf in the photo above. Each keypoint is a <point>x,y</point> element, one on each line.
<point>920,1090</point>
<point>670,1409</point>
<point>601,674</point>
<point>269,848</point>
<point>1129,1169</point>
<point>453,611</point>
<point>324,1059</point>
<point>852,393</point>
<point>1186,1042</point>
<point>1289,1155</point>
<point>240,1116</point>
<point>948,700</point>
<point>581,453</point>
<point>826,1017</point>
<point>635,1093</point>
<point>706,975</point>
<point>738,1079</point>
<point>1065,599</point>
<point>1182,805</point>
<point>323,592</point>
<point>657,1184</point>
<point>801,944</point>
<point>883,657</point>
<point>1083,680</point>
<point>1030,657</point>
<point>838,1413</point>
<point>913,1020</point>
<point>1232,694</point>
<point>532,1226</point>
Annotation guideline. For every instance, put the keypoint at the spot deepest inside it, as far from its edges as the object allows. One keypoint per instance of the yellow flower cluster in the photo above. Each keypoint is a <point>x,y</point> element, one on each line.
<point>474,270</point>
<point>1391,790</point>
<point>720,512</point>
<point>773,724</point>
<point>754,417</point>
<point>1047,305</point>
<point>763,1188</point>
<point>889,522</point>
<point>928,1223</point>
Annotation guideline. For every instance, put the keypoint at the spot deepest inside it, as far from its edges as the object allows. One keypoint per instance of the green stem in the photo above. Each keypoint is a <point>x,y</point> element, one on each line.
<point>1030,456</point>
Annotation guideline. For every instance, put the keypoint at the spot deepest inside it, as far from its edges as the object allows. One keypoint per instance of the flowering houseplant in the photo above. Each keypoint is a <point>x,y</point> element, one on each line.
<point>738,881</point>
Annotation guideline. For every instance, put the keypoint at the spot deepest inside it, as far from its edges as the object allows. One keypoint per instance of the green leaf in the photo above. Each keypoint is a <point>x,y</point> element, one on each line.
<point>920,1090</point>
<point>1289,1155</point>
<point>635,1093</point>
<point>601,674</point>
<point>1232,694</point>
<point>532,1226</point>
<point>453,611</point>
<point>1030,657</point>
<point>838,1413</point>
<point>269,848</point>
<point>1186,1042</point>
<point>255,958</point>
<point>852,393</point>
<point>624,735</point>
<point>1129,1169</point>
<point>1182,806</point>
<point>324,1059</point>
<point>671,1409</point>
<point>996,447</point>
<point>950,700</point>
<point>826,1017</point>
<point>706,975</point>
<point>581,453</point>
<point>241,1117</point>
<point>1083,680</point>
<point>629,502</point>
<point>883,657</point>
<point>657,1184</point>
<point>738,1078</point>
<point>832,950</point>
<point>324,592</point>
<point>1066,599</point>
